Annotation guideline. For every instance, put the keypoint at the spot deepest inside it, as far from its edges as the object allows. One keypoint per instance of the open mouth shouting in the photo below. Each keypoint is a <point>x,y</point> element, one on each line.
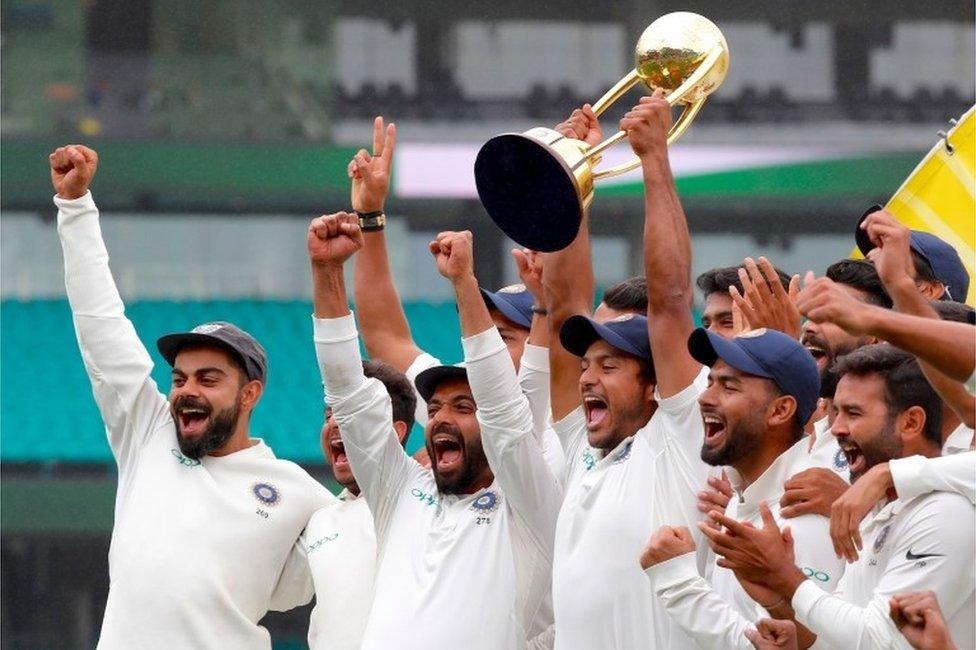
<point>596,410</point>
<point>856,461</point>
<point>447,453</point>
<point>193,418</point>
<point>339,459</point>
<point>818,349</point>
<point>714,429</point>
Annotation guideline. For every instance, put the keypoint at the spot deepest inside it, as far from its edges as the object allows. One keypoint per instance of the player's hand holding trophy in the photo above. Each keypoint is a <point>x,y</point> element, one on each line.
<point>536,185</point>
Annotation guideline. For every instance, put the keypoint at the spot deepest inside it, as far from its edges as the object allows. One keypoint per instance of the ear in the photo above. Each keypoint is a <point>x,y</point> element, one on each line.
<point>781,411</point>
<point>911,425</point>
<point>250,394</point>
<point>931,290</point>
<point>402,430</point>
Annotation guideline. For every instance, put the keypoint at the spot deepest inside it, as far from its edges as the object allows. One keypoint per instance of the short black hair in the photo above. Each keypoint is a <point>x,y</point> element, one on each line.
<point>923,269</point>
<point>719,280</point>
<point>953,311</point>
<point>398,386</point>
<point>905,385</point>
<point>629,295</point>
<point>861,275</point>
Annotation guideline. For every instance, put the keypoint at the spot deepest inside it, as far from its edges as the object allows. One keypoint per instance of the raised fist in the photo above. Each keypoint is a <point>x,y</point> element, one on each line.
<point>647,125</point>
<point>667,543</point>
<point>529,265</point>
<point>582,124</point>
<point>334,238</point>
<point>370,173</point>
<point>72,170</point>
<point>454,254</point>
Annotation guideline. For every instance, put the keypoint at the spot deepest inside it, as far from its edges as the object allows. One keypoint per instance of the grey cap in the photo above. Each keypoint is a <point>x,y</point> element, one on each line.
<point>220,334</point>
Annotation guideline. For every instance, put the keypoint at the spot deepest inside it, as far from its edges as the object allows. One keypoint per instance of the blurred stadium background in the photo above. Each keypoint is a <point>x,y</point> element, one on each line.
<point>224,126</point>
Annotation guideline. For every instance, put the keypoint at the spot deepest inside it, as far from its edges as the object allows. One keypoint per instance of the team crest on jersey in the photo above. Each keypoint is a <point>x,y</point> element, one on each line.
<point>840,460</point>
<point>486,504</point>
<point>513,288</point>
<point>879,541</point>
<point>266,493</point>
<point>623,454</point>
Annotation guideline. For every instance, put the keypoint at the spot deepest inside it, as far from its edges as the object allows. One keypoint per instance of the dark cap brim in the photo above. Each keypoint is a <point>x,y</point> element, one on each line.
<point>428,380</point>
<point>861,238</point>
<point>170,345</point>
<point>578,333</point>
<point>707,347</point>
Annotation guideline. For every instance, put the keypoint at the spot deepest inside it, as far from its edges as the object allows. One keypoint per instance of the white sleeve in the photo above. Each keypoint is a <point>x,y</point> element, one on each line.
<point>513,453</point>
<point>571,431</point>
<point>691,603</point>
<point>941,529</point>
<point>421,363</point>
<point>118,364</point>
<point>533,377</point>
<point>364,413</point>
<point>814,554</point>
<point>295,587</point>
<point>917,475</point>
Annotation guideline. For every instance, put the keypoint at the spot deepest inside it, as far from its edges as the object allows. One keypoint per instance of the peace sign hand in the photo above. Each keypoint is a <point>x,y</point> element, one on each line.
<point>370,173</point>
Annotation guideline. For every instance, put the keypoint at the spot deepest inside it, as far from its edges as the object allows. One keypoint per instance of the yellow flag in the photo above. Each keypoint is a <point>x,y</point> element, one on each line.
<point>940,194</point>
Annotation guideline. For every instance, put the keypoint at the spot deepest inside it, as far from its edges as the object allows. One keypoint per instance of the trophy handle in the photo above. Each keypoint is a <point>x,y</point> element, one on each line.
<point>679,127</point>
<point>619,90</point>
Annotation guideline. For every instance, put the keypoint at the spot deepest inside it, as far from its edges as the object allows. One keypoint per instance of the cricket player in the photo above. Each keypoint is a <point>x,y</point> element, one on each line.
<point>207,520</point>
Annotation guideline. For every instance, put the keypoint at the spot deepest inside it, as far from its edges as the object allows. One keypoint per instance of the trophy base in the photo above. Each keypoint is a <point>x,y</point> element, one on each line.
<point>529,191</point>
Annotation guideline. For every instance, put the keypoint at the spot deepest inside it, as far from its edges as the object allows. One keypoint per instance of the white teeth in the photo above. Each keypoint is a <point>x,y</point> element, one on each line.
<point>711,419</point>
<point>194,411</point>
<point>589,399</point>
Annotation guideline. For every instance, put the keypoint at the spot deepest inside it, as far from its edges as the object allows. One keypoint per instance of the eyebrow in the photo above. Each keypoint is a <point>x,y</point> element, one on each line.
<point>200,371</point>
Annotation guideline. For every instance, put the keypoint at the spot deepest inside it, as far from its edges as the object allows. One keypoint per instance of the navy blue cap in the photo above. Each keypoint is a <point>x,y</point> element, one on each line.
<point>514,302</point>
<point>627,332</point>
<point>428,380</point>
<point>765,353</point>
<point>942,257</point>
<point>223,335</point>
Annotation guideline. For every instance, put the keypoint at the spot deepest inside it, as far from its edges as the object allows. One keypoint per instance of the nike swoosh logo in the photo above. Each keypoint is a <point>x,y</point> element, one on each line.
<point>911,557</point>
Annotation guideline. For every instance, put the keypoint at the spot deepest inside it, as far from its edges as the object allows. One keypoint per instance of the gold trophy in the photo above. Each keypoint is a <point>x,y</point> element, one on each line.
<point>536,185</point>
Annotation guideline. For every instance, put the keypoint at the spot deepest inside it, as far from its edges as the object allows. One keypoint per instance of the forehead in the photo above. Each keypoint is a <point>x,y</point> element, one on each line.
<point>502,322</point>
<point>451,389</point>
<point>601,348</point>
<point>862,390</point>
<point>718,302</point>
<point>191,358</point>
<point>722,370</point>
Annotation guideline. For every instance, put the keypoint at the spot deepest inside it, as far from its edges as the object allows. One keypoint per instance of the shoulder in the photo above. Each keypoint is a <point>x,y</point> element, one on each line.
<point>942,508</point>
<point>292,474</point>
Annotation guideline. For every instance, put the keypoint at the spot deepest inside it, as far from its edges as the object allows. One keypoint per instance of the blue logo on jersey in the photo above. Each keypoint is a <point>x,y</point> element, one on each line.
<point>880,539</point>
<point>485,504</point>
<point>588,460</point>
<point>266,493</point>
<point>840,460</point>
<point>185,461</point>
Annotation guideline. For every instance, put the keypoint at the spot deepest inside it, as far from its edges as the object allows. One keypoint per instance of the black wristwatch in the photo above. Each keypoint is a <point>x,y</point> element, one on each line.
<point>371,221</point>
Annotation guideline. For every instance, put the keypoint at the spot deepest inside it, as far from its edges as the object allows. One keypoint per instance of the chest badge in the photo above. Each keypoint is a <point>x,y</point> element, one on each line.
<point>486,504</point>
<point>266,493</point>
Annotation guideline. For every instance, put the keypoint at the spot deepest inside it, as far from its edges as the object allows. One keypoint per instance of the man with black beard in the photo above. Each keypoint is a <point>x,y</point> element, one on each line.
<point>762,388</point>
<point>207,520</point>
<point>885,410</point>
<point>444,534</point>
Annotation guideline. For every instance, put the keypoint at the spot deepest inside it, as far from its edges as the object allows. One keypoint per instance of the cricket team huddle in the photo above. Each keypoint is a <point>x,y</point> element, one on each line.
<point>797,472</point>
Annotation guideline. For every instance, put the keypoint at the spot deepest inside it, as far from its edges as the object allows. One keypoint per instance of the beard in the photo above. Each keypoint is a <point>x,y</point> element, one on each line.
<point>219,431</point>
<point>881,448</point>
<point>742,438</point>
<point>473,463</point>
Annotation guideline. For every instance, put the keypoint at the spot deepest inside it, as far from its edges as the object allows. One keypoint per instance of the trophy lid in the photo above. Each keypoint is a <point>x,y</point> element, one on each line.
<point>673,46</point>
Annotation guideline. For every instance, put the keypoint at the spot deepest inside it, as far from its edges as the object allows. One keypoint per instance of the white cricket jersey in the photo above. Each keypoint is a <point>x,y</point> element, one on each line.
<point>959,441</point>
<point>826,451</point>
<point>201,549</point>
<point>925,543</point>
<point>613,503</point>
<point>918,475</point>
<point>446,573</point>
<point>716,615</point>
<point>341,546</point>
<point>534,380</point>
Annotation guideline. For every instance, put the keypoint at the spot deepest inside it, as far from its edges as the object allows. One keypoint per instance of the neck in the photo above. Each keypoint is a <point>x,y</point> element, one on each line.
<point>477,484</point>
<point>353,489</point>
<point>950,422</point>
<point>754,465</point>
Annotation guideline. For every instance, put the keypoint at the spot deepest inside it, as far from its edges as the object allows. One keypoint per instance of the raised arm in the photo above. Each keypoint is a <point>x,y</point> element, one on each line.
<point>947,346</point>
<point>513,453</point>
<point>361,406</point>
<point>386,333</point>
<point>117,362</point>
<point>667,248</point>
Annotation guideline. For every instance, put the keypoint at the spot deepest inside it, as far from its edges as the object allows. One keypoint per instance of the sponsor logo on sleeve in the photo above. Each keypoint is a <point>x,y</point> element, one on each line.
<point>814,574</point>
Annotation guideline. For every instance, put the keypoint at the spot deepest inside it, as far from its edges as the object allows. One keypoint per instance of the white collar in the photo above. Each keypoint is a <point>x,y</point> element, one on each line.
<point>769,486</point>
<point>958,441</point>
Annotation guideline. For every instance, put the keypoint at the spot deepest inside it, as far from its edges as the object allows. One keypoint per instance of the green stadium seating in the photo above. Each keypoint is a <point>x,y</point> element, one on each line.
<point>48,413</point>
